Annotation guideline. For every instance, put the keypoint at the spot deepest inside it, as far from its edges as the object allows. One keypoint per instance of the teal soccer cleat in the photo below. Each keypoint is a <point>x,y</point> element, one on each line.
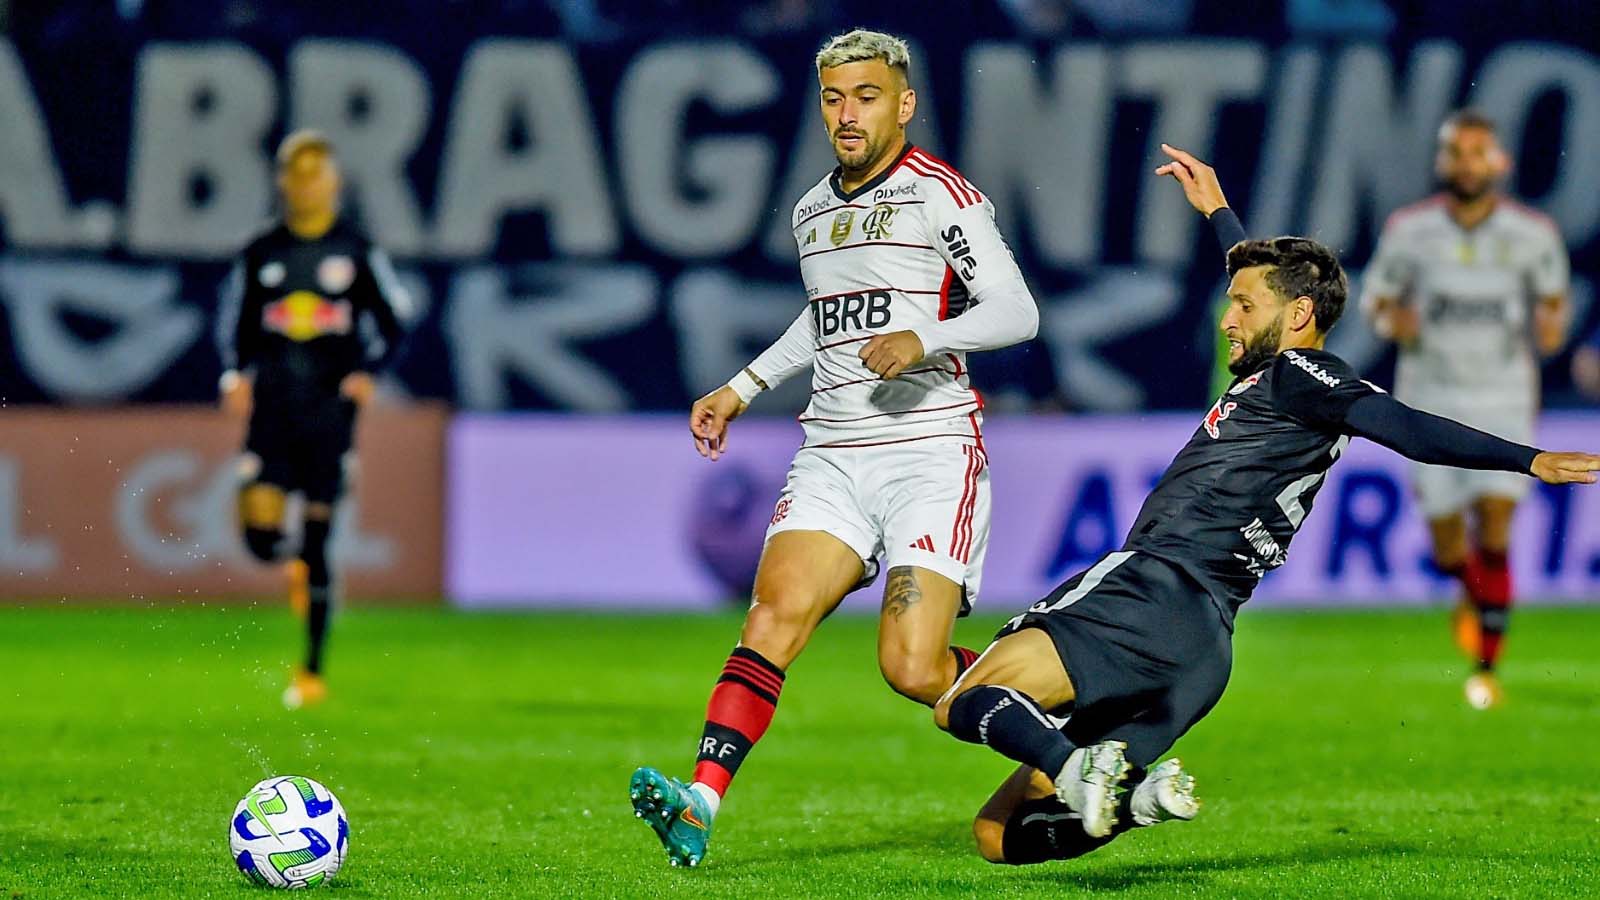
<point>679,817</point>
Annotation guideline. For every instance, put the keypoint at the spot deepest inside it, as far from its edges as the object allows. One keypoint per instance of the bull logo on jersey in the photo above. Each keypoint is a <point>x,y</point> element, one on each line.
<point>1244,384</point>
<point>1213,420</point>
<point>841,226</point>
<point>303,316</point>
<point>876,225</point>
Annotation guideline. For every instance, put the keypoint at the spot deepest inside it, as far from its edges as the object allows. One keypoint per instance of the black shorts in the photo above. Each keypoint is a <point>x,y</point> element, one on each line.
<point>303,449</point>
<point>1146,649</point>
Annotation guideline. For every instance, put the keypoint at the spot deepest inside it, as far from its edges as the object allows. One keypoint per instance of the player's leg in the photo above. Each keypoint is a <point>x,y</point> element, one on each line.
<point>1490,586</point>
<point>1442,496</point>
<point>802,576</point>
<point>933,501</point>
<point>262,507</point>
<point>321,463</point>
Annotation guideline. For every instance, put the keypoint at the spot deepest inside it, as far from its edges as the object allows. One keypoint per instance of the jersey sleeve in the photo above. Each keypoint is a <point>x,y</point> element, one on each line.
<point>1549,271</point>
<point>1391,271</point>
<point>1317,387</point>
<point>961,226</point>
<point>378,292</point>
<point>790,353</point>
<point>238,333</point>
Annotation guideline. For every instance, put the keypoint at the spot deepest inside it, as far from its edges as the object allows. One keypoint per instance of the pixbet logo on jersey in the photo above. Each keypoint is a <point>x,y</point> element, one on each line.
<point>851,312</point>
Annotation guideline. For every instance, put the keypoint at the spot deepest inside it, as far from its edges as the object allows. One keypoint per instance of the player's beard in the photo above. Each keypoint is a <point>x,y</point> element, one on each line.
<point>1259,348</point>
<point>859,160</point>
<point>1465,192</point>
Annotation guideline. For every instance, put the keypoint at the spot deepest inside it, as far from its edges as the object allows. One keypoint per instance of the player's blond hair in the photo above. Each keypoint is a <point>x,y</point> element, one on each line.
<point>304,140</point>
<point>861,45</point>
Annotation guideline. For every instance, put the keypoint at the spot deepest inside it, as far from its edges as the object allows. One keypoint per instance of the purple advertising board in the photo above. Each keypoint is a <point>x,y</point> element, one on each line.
<point>569,511</point>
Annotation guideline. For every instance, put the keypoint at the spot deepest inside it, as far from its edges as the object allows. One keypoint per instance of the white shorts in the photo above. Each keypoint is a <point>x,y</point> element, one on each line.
<point>1443,491</point>
<point>923,504</point>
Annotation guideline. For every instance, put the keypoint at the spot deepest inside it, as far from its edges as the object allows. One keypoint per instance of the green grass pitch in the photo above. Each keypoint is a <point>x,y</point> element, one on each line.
<point>488,756</point>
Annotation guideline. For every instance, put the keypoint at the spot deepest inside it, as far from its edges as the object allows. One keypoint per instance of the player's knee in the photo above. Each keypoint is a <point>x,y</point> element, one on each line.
<point>990,836</point>
<point>917,678</point>
<point>263,543</point>
<point>777,627</point>
<point>261,506</point>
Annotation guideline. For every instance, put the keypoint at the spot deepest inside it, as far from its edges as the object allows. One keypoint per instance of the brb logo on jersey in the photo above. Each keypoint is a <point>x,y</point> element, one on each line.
<point>960,250</point>
<point>851,312</point>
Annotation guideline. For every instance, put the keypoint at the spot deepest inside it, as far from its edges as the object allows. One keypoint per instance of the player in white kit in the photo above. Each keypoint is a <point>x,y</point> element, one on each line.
<point>1472,287</point>
<point>905,273</point>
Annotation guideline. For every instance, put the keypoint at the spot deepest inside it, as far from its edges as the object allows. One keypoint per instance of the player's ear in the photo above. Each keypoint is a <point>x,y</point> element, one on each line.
<point>908,106</point>
<point>1303,314</point>
<point>1501,160</point>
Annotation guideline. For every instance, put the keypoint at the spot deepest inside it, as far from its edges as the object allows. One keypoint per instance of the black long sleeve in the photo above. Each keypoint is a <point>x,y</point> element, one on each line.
<point>1226,226</point>
<point>1432,439</point>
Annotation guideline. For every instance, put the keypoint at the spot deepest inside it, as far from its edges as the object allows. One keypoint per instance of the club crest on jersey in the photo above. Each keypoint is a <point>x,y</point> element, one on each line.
<point>1213,420</point>
<point>1244,384</point>
<point>336,273</point>
<point>876,225</point>
<point>272,274</point>
<point>841,226</point>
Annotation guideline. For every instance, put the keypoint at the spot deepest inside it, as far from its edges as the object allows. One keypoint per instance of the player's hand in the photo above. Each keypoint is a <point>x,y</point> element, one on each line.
<point>887,355</point>
<point>1586,370</point>
<point>1566,468</point>
<point>709,418</point>
<point>237,394</point>
<point>1199,180</point>
<point>1549,328</point>
<point>358,387</point>
<point>1399,322</point>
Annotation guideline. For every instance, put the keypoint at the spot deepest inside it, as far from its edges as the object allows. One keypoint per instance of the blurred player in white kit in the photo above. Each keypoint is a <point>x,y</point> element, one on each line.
<point>1472,287</point>
<point>905,273</point>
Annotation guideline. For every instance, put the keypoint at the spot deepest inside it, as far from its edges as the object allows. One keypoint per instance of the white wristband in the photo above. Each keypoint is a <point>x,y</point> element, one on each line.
<point>745,385</point>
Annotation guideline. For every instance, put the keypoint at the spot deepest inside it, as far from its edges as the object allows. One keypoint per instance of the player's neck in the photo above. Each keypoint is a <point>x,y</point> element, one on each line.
<point>850,180</point>
<point>1309,340</point>
<point>310,226</point>
<point>1469,214</point>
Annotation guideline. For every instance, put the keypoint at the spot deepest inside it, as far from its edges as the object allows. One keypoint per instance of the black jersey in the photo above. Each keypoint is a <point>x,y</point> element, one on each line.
<point>1227,507</point>
<point>301,314</point>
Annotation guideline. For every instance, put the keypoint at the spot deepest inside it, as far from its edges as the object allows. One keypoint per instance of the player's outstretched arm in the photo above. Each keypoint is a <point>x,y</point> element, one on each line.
<point>1435,440</point>
<point>710,415</point>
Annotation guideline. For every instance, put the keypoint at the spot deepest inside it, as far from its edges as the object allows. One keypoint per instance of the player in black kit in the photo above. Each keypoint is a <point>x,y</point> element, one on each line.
<point>310,313</point>
<point>1138,648</point>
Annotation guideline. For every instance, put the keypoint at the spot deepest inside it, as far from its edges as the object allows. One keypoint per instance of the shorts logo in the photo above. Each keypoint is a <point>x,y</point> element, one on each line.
<point>272,274</point>
<point>782,510</point>
<point>924,543</point>
<point>876,225</point>
<point>841,226</point>
<point>336,274</point>
<point>1219,411</point>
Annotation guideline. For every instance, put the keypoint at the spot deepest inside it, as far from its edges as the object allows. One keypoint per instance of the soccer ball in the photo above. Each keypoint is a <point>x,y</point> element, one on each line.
<point>289,832</point>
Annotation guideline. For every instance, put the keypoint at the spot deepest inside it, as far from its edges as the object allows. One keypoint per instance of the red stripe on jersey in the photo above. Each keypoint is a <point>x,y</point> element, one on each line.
<point>864,290</point>
<point>857,340</point>
<point>955,192</point>
<point>835,387</point>
<point>944,293</point>
<point>866,244</point>
<point>939,165</point>
<point>898,412</point>
<point>866,444</point>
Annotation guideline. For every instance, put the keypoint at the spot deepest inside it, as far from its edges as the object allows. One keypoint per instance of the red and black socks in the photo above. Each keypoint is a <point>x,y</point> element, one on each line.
<point>741,708</point>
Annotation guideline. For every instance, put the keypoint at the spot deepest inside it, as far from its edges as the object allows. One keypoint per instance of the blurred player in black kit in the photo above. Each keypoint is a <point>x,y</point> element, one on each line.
<point>310,313</point>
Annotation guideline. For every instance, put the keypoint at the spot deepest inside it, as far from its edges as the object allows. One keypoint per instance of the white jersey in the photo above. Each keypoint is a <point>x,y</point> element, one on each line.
<point>1474,291</point>
<point>914,249</point>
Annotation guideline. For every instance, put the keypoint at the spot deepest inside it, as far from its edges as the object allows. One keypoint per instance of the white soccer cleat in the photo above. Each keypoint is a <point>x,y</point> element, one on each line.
<point>1166,793</point>
<point>1088,785</point>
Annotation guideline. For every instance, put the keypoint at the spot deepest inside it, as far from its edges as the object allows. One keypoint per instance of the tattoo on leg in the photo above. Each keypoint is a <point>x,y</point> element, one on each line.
<point>902,592</point>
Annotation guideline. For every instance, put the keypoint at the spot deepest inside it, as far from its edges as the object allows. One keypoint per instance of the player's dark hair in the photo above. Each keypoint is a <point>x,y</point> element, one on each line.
<point>1301,267</point>
<point>1468,118</point>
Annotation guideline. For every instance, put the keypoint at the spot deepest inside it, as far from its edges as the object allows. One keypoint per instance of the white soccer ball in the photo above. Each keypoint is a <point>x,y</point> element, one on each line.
<point>289,832</point>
